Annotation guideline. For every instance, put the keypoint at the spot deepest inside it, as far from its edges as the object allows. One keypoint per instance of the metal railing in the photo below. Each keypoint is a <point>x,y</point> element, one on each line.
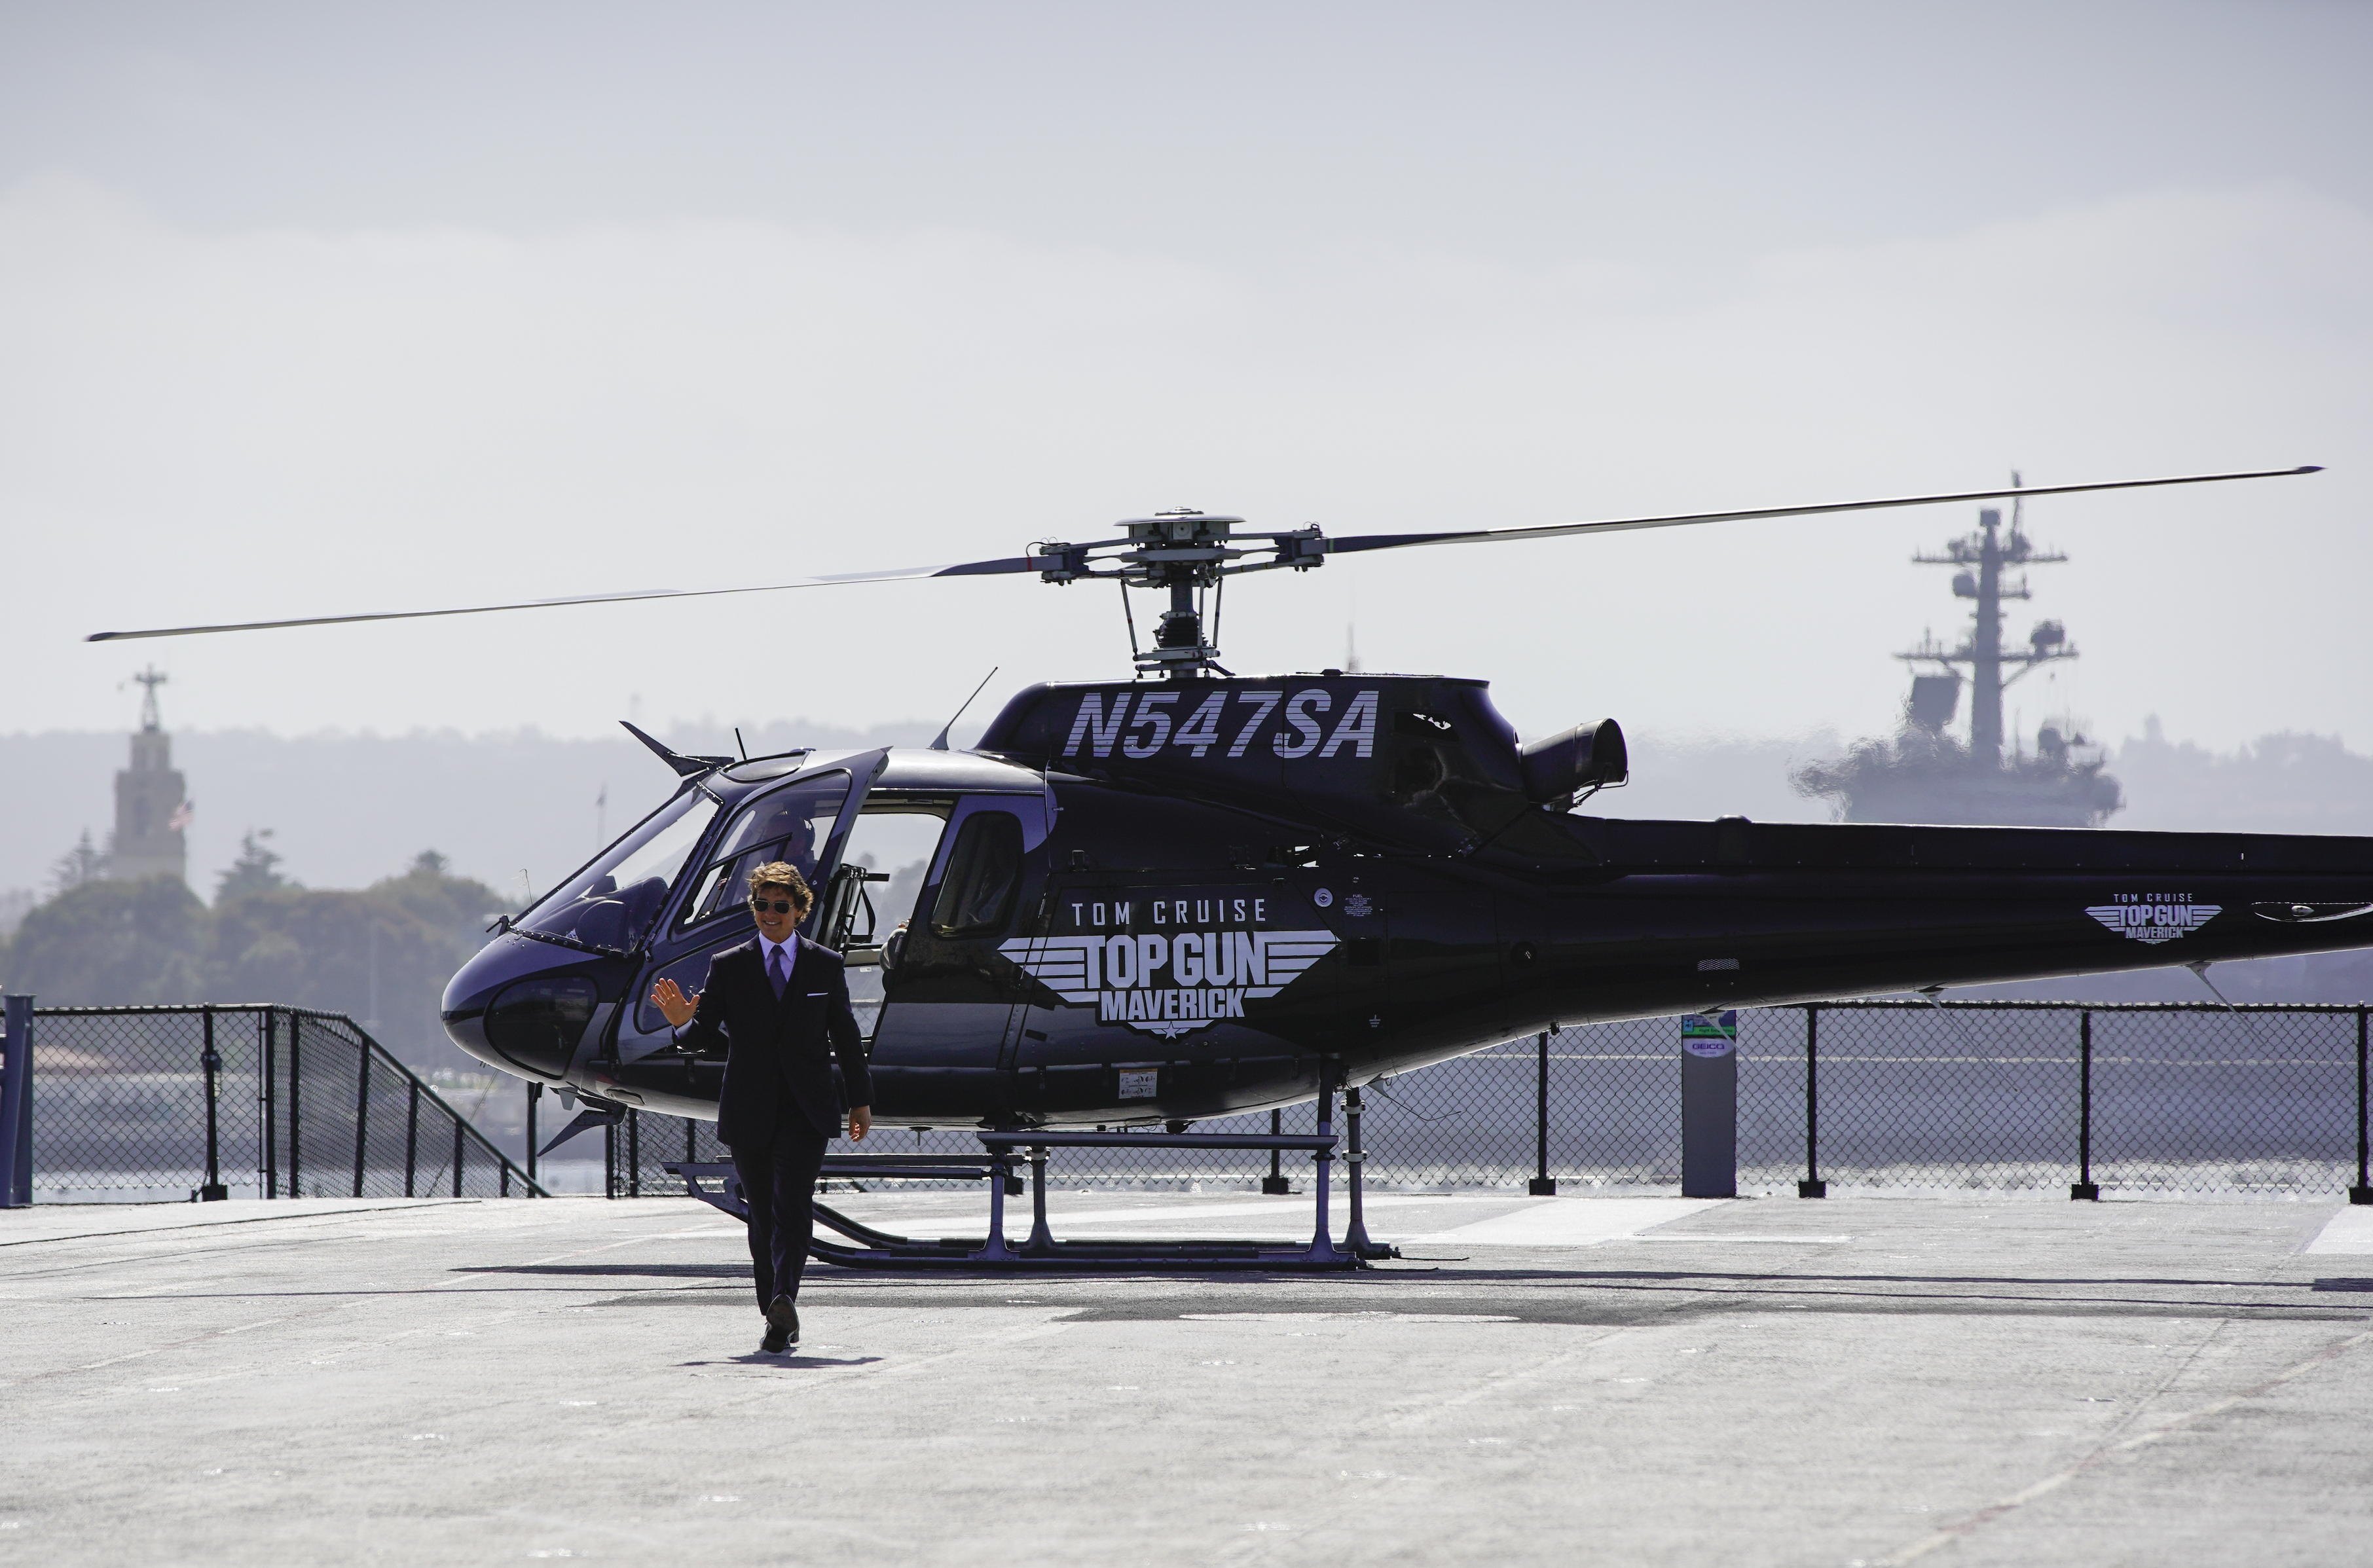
<point>204,1102</point>
<point>2175,1099</point>
<point>2193,1099</point>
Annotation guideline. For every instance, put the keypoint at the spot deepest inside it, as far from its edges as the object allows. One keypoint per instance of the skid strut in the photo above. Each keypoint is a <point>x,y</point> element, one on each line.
<point>867,1247</point>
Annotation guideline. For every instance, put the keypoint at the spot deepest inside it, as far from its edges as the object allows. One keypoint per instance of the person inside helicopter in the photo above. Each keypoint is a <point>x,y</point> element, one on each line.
<point>605,917</point>
<point>612,902</point>
<point>786,827</point>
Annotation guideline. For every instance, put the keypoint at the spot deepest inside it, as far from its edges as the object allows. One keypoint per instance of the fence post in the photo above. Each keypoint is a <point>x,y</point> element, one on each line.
<point>362,1113</point>
<point>457,1156</point>
<point>610,1160</point>
<point>1812,1186</point>
<point>2363,1191</point>
<point>534,1093</point>
<point>412,1140</point>
<point>1543,1183</point>
<point>1275,1183</point>
<point>17,1107</point>
<point>214,1191</point>
<point>271,1119</point>
<point>2083,1189</point>
<point>634,1153</point>
<point>296,1108</point>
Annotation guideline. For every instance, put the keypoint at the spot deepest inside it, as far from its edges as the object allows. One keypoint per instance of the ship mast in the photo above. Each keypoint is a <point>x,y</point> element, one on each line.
<point>1981,557</point>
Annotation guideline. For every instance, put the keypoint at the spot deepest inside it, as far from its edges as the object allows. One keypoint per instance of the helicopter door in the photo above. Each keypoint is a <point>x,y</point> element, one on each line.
<point>805,821</point>
<point>950,1001</point>
<point>883,869</point>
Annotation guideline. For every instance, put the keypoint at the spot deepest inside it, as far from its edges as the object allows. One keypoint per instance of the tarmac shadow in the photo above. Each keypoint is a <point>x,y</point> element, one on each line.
<point>786,1363</point>
<point>654,1271</point>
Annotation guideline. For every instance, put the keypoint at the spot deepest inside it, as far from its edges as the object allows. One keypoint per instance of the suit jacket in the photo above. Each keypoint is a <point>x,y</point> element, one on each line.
<point>778,1054</point>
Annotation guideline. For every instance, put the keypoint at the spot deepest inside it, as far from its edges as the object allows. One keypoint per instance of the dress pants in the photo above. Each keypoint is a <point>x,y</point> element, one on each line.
<point>778,1179</point>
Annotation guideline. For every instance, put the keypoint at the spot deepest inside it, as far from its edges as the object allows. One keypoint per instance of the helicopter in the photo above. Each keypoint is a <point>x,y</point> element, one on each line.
<point>1194,893</point>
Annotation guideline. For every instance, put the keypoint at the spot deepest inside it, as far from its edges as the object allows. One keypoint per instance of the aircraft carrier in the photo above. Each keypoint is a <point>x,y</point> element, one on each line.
<point>1926,774</point>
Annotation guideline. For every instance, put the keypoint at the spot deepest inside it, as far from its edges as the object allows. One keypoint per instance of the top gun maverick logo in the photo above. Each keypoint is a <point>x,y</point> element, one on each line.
<point>1167,966</point>
<point>1167,982</point>
<point>2153,917</point>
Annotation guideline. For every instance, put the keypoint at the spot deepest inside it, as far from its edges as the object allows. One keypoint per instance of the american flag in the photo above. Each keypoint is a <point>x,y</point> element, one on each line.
<point>181,817</point>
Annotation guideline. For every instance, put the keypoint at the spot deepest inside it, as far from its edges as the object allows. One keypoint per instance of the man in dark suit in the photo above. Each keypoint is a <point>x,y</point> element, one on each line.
<point>777,1008</point>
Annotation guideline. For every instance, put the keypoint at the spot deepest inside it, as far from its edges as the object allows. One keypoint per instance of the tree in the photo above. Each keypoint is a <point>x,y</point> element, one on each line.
<point>384,952</point>
<point>83,863</point>
<point>459,906</point>
<point>256,870</point>
<point>341,951</point>
<point>113,942</point>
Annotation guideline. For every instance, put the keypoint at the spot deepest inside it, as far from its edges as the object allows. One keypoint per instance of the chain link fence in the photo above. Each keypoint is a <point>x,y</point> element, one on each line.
<point>2176,1099</point>
<point>151,1104</point>
<point>138,1103</point>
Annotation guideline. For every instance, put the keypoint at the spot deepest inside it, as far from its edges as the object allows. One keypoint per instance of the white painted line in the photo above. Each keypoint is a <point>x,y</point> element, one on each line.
<point>1296,1209</point>
<point>1571,1221</point>
<point>2350,1230</point>
<point>1346,1318</point>
<point>1522,1222</point>
<point>1785,1241</point>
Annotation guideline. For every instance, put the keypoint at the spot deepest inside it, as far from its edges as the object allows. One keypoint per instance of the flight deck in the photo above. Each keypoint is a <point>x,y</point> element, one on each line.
<point>1641,1380</point>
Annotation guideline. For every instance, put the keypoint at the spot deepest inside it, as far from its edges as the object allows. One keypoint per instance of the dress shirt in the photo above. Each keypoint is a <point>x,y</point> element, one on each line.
<point>768,948</point>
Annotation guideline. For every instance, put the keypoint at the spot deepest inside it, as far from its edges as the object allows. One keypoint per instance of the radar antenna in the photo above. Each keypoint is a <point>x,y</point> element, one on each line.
<point>1981,557</point>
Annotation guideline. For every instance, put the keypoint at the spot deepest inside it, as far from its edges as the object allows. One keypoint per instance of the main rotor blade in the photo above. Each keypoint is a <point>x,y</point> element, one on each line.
<point>1351,543</point>
<point>965,569</point>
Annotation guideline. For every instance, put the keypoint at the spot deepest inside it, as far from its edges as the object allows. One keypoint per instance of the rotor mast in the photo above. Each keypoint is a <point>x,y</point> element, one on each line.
<point>1189,553</point>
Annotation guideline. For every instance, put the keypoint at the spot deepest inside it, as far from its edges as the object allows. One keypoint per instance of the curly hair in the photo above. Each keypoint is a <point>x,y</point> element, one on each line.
<point>785,875</point>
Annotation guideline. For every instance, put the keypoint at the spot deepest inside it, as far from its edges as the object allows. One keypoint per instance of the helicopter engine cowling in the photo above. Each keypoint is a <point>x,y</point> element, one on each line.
<point>1586,756</point>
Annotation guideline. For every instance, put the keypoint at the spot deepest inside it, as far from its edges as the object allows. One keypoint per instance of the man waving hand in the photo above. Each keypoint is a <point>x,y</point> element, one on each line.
<point>777,1007</point>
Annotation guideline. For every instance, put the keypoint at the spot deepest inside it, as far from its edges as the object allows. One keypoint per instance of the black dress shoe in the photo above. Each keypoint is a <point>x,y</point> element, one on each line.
<point>776,1342</point>
<point>782,1324</point>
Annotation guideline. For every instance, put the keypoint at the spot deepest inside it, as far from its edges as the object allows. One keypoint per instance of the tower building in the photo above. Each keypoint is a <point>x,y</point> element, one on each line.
<point>151,809</point>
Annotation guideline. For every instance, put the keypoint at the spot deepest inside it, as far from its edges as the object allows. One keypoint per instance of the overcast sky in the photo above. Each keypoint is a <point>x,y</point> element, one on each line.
<point>311,308</point>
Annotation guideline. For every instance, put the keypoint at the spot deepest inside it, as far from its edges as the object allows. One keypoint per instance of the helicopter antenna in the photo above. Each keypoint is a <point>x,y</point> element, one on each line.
<point>738,746</point>
<point>941,743</point>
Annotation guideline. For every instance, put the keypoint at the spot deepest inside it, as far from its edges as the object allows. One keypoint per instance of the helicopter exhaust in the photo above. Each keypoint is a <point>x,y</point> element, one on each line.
<point>1586,758</point>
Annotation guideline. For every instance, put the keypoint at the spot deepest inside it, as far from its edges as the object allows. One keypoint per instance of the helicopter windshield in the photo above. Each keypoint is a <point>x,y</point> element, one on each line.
<point>614,901</point>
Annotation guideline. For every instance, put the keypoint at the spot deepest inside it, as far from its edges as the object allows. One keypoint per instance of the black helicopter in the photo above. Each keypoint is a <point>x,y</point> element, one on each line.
<point>1196,893</point>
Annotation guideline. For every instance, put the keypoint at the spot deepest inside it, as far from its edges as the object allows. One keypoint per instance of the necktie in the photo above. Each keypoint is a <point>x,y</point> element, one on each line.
<point>778,972</point>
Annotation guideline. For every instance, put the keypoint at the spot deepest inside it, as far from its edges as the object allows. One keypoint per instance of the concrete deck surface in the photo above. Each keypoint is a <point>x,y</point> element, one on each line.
<point>1541,1380</point>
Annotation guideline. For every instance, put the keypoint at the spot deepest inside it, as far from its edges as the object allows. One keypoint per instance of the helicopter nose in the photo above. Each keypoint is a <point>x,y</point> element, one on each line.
<point>522,1006</point>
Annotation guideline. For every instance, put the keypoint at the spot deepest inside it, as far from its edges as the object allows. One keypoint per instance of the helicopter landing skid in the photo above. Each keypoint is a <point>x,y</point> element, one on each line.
<point>1041,1253</point>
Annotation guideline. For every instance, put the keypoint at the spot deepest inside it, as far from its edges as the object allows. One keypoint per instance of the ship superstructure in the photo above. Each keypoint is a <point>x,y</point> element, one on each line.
<point>1926,774</point>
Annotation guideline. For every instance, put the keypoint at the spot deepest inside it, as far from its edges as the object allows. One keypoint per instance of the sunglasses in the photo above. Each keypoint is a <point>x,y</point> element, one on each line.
<point>781,906</point>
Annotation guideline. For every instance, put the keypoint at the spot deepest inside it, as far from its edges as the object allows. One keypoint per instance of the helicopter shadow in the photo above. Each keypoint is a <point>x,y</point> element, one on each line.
<point>774,1362</point>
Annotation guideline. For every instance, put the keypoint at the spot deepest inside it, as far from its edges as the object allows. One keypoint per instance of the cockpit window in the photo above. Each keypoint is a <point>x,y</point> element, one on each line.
<point>614,901</point>
<point>792,824</point>
<point>984,871</point>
